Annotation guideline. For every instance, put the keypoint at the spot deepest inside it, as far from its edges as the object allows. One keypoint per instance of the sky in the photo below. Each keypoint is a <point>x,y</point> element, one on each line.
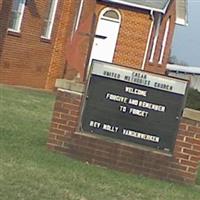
<point>186,42</point>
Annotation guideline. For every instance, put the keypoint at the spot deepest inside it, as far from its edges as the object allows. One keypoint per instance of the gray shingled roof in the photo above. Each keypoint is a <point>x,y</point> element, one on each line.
<point>159,5</point>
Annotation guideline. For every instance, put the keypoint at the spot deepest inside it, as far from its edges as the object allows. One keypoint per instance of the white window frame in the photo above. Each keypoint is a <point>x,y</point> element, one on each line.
<point>21,12</point>
<point>50,20</point>
<point>164,41</point>
<point>79,15</point>
<point>158,22</point>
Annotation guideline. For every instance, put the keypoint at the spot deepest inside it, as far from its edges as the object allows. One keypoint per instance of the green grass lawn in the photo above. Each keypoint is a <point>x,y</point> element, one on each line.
<point>29,171</point>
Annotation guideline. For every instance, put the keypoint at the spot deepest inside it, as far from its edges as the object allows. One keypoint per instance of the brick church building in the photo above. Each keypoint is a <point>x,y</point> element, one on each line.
<point>105,121</point>
<point>41,41</point>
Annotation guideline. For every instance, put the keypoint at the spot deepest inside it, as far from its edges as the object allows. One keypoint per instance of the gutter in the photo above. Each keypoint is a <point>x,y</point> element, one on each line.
<point>148,40</point>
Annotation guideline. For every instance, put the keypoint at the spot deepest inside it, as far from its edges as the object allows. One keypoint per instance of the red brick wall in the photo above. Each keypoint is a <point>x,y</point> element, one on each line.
<point>5,8</point>
<point>133,35</point>
<point>132,40</point>
<point>64,120</point>
<point>26,58</point>
<point>181,166</point>
<point>79,46</point>
<point>155,67</point>
<point>62,36</point>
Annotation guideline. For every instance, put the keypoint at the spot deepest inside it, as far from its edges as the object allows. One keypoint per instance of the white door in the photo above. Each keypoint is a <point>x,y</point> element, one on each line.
<point>106,36</point>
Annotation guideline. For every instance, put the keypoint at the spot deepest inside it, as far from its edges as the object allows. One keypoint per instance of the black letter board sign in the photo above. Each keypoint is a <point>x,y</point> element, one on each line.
<point>133,105</point>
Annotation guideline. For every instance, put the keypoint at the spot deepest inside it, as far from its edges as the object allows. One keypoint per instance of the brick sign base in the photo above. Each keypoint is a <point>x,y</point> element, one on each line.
<point>181,166</point>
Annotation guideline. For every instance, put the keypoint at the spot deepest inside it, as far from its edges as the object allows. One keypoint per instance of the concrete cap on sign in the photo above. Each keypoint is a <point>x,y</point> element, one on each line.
<point>191,114</point>
<point>69,85</point>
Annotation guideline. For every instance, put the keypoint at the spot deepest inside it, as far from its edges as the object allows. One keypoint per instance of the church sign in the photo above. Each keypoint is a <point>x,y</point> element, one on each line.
<point>133,105</point>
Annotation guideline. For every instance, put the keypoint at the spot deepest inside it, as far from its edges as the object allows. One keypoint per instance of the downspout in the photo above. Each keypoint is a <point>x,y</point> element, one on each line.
<point>148,40</point>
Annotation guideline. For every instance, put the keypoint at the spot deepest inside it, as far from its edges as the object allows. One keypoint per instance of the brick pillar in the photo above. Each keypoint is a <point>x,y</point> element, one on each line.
<point>187,148</point>
<point>65,116</point>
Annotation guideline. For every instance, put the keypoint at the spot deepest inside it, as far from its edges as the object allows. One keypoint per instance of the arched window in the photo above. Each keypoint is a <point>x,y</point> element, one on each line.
<point>111,14</point>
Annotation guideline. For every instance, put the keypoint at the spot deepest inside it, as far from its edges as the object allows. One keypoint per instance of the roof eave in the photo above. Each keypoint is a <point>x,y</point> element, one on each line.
<point>139,6</point>
<point>181,22</point>
<point>183,69</point>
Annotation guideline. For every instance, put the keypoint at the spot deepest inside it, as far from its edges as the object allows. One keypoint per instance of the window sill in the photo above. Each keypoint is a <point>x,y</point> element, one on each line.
<point>154,64</point>
<point>151,63</point>
<point>160,65</point>
<point>46,40</point>
<point>14,33</point>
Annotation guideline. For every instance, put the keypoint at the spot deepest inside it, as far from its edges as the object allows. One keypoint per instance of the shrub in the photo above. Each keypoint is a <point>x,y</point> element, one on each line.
<point>193,99</point>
